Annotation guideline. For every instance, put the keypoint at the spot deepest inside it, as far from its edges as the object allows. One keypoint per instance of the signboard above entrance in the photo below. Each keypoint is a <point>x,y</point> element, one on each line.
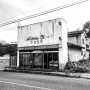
<point>42,33</point>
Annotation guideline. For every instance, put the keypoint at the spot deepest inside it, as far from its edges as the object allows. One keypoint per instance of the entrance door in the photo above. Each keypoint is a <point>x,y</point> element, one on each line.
<point>51,60</point>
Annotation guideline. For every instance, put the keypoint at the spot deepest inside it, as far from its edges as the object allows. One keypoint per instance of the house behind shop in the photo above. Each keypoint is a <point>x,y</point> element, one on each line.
<point>78,45</point>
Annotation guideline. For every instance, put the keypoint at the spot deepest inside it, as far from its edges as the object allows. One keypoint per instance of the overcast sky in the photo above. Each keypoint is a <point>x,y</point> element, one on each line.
<point>76,16</point>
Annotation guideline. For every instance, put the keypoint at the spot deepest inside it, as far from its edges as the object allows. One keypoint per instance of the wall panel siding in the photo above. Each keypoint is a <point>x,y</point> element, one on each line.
<point>75,54</point>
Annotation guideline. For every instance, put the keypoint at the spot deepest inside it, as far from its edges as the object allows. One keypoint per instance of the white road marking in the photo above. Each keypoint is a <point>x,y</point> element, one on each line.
<point>25,85</point>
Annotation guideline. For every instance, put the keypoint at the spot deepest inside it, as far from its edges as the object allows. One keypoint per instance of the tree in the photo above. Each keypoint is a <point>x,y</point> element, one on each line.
<point>11,49</point>
<point>86,27</point>
<point>8,49</point>
<point>2,50</point>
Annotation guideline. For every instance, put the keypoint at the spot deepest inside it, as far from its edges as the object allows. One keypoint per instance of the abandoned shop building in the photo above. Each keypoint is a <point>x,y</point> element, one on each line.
<point>42,45</point>
<point>48,45</point>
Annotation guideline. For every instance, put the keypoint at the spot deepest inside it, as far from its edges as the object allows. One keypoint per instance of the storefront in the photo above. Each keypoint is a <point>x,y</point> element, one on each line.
<point>39,59</point>
<point>42,45</point>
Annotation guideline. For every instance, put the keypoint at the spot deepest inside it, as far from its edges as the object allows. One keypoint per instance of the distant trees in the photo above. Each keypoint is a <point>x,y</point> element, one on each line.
<point>11,49</point>
<point>8,49</point>
<point>2,50</point>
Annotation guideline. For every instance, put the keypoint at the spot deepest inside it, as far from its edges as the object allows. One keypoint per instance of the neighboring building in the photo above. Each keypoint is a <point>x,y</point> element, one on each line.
<point>42,45</point>
<point>80,45</point>
<point>8,55</point>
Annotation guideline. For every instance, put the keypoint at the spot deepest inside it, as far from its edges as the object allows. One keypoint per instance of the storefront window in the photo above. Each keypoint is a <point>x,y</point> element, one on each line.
<point>38,59</point>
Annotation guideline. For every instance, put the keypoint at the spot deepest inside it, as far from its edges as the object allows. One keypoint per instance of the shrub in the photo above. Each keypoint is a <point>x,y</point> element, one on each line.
<point>75,67</point>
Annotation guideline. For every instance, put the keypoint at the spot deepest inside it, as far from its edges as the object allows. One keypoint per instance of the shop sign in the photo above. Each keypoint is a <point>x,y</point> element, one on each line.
<point>37,40</point>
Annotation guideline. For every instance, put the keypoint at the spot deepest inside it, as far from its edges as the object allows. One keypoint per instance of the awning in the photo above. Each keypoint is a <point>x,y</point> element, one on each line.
<point>39,47</point>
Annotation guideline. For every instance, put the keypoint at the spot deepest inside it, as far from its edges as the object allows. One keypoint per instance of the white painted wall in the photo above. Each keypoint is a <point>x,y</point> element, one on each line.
<point>4,61</point>
<point>75,54</point>
<point>64,50</point>
<point>72,40</point>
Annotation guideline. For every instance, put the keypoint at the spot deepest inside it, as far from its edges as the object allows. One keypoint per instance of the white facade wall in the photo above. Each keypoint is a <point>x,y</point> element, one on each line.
<point>75,54</point>
<point>43,33</point>
<point>63,58</point>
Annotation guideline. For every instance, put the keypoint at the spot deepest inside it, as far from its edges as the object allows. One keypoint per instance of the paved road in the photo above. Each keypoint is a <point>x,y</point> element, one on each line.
<point>23,81</point>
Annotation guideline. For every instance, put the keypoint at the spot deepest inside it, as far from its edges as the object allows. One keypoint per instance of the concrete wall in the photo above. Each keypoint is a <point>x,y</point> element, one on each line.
<point>63,51</point>
<point>4,61</point>
<point>75,54</point>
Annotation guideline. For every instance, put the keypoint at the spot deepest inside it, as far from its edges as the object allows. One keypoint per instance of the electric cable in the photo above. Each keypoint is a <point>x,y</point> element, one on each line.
<point>43,13</point>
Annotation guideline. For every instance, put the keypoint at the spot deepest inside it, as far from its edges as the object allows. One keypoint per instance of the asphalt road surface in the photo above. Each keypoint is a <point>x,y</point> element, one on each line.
<point>24,81</point>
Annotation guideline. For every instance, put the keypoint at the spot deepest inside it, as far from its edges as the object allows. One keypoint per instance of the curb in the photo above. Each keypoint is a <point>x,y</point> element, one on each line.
<point>59,74</point>
<point>45,73</point>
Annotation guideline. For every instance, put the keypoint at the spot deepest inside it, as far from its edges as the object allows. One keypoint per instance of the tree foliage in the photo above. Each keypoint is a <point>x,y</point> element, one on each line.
<point>8,49</point>
<point>86,27</point>
<point>2,50</point>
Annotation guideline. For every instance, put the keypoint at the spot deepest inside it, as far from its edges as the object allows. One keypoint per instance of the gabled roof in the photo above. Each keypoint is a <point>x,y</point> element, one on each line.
<point>75,33</point>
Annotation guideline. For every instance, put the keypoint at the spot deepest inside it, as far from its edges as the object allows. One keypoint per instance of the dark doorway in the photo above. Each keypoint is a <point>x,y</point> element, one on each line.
<point>51,60</point>
<point>46,61</point>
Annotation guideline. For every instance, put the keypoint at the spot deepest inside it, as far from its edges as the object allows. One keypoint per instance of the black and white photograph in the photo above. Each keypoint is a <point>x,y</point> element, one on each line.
<point>44,44</point>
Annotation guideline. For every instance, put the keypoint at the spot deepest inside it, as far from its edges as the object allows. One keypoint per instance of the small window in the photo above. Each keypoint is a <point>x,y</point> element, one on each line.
<point>83,41</point>
<point>82,53</point>
<point>59,23</point>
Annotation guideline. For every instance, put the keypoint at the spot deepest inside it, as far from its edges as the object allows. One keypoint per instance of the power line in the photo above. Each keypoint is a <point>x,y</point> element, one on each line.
<point>42,13</point>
